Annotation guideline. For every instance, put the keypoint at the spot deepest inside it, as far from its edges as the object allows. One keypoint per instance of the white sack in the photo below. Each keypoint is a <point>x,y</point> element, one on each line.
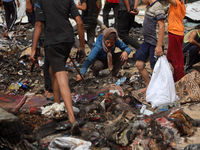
<point>61,143</point>
<point>161,89</point>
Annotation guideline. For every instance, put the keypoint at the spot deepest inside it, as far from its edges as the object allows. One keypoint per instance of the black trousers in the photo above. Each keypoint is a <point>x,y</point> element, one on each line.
<point>191,56</point>
<point>11,14</point>
<point>47,77</point>
<point>106,11</point>
<point>125,22</point>
<point>90,30</point>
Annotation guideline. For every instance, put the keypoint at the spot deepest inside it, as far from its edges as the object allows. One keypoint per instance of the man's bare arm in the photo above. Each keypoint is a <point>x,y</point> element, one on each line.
<point>173,2</point>
<point>80,28</point>
<point>28,6</point>
<point>126,2</point>
<point>82,7</point>
<point>36,36</point>
<point>98,9</point>
<point>192,39</point>
<point>161,33</point>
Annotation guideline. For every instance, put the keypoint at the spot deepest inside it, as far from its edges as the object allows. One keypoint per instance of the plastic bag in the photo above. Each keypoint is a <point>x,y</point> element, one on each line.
<point>161,89</point>
<point>71,143</point>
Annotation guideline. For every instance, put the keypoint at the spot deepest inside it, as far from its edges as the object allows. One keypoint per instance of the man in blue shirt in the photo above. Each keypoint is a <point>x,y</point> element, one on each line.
<point>102,55</point>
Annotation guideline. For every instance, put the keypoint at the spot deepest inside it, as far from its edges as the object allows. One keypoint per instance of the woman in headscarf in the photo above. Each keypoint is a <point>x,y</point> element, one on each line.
<point>103,54</point>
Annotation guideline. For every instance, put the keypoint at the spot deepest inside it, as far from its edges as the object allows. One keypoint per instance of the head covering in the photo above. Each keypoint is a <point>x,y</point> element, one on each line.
<point>109,34</point>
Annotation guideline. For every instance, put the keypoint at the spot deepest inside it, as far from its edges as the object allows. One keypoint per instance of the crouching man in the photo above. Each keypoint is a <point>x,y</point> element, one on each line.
<point>103,54</point>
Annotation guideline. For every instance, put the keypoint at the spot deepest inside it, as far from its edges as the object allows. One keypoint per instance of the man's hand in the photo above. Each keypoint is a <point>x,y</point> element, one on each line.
<point>124,56</point>
<point>78,77</point>
<point>80,55</point>
<point>32,57</point>
<point>28,7</point>
<point>158,51</point>
<point>135,11</point>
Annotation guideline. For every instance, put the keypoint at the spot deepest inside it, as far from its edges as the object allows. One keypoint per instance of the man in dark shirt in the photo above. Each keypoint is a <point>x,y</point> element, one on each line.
<point>59,38</point>
<point>90,11</point>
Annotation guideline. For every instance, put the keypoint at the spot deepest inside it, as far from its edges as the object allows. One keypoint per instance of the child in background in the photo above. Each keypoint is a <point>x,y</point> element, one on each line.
<point>175,29</point>
<point>152,45</point>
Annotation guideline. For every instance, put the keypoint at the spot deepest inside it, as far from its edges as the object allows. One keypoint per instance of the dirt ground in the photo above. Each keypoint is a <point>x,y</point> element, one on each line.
<point>192,109</point>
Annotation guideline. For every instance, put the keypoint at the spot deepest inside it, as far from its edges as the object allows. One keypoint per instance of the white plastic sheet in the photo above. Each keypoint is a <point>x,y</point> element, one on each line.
<point>161,89</point>
<point>61,143</point>
<point>193,11</point>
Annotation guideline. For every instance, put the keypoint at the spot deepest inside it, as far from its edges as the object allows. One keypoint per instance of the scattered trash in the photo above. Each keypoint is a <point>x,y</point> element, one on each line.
<point>114,113</point>
<point>69,143</point>
<point>121,81</point>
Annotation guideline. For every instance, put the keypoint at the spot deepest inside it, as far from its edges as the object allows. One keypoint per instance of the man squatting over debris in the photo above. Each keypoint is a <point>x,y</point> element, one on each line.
<point>191,45</point>
<point>102,55</point>
<point>59,39</point>
<point>151,45</point>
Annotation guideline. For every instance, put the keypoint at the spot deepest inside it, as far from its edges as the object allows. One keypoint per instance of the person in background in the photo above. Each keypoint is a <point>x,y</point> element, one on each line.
<point>106,10</point>
<point>103,54</point>
<point>59,39</point>
<point>175,29</point>
<point>90,11</point>
<point>10,14</point>
<point>126,17</point>
<point>191,48</point>
<point>47,79</point>
<point>30,11</point>
<point>152,46</point>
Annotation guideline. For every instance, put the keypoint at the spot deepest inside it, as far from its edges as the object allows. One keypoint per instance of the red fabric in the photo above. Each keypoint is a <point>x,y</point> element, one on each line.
<point>112,1</point>
<point>34,102</point>
<point>175,55</point>
<point>11,103</point>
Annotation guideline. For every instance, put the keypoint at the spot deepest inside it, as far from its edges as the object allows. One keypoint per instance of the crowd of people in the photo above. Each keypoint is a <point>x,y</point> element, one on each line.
<point>53,17</point>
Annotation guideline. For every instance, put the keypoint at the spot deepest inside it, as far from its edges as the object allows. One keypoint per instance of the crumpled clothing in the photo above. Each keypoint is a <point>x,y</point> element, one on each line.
<point>119,132</point>
<point>61,143</point>
<point>54,108</point>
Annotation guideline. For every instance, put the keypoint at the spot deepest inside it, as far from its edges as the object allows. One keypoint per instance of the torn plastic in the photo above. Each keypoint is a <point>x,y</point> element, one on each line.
<point>61,143</point>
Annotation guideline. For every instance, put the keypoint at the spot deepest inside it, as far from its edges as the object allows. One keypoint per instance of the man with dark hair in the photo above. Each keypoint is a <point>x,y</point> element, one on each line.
<point>59,38</point>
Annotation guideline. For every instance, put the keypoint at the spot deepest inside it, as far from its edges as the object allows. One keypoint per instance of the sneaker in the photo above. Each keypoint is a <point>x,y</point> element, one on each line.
<point>75,130</point>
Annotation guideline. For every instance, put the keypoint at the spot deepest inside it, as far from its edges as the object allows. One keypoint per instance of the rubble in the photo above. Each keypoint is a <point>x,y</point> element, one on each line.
<point>112,113</point>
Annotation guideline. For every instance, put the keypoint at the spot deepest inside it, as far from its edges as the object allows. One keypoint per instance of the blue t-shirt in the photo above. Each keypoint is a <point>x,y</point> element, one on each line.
<point>153,14</point>
<point>98,52</point>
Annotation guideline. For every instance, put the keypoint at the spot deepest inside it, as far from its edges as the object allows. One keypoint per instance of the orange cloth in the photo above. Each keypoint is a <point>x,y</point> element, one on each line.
<point>175,18</point>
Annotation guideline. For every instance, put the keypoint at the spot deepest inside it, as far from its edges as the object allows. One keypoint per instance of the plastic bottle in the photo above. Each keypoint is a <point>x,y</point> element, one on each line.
<point>14,86</point>
<point>120,81</point>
